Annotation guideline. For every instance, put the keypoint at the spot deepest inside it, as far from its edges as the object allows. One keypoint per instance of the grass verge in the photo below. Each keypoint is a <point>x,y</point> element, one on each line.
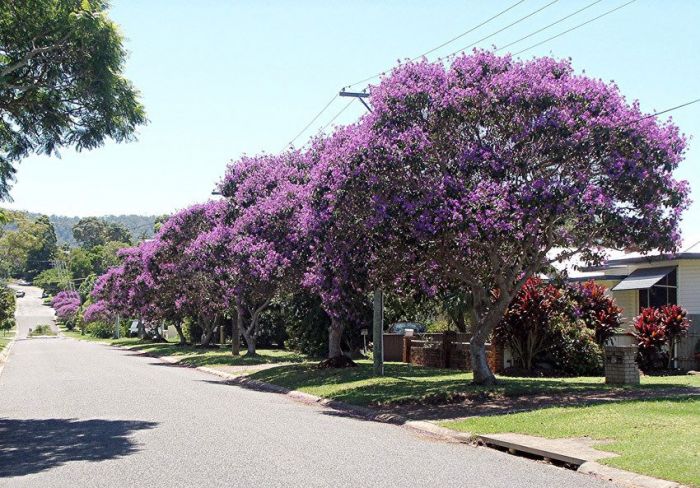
<point>192,356</point>
<point>404,383</point>
<point>6,337</point>
<point>658,437</point>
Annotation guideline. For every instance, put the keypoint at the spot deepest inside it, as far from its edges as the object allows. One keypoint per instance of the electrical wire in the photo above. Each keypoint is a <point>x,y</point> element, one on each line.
<point>550,25</point>
<point>312,121</point>
<point>534,12</point>
<point>364,80</point>
<point>576,27</point>
<point>338,114</point>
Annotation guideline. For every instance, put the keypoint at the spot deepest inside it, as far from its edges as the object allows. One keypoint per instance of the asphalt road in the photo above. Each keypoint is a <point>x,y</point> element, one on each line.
<point>31,311</point>
<point>82,414</point>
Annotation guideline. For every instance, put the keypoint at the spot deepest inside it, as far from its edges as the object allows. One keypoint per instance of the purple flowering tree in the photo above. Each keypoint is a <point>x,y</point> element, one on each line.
<point>481,173</point>
<point>259,248</point>
<point>335,217</point>
<point>177,287</point>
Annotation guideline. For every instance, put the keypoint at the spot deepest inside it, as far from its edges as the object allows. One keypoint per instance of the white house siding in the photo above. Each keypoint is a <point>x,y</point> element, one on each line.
<point>689,285</point>
<point>628,301</point>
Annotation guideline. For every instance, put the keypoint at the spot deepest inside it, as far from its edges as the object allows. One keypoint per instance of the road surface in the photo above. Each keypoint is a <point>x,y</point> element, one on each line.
<point>31,311</point>
<point>75,413</point>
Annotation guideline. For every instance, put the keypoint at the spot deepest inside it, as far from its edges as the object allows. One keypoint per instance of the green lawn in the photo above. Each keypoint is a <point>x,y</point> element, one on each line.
<point>659,437</point>
<point>192,356</point>
<point>405,383</point>
<point>6,337</point>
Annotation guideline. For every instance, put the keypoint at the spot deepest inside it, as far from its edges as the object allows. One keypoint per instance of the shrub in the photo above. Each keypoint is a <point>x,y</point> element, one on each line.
<point>271,329</point>
<point>528,327</point>
<point>306,323</point>
<point>597,309</point>
<point>561,325</point>
<point>576,351</point>
<point>100,329</point>
<point>656,330</point>
<point>6,325</point>
<point>42,330</point>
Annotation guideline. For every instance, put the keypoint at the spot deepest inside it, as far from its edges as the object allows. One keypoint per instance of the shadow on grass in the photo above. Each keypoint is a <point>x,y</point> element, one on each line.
<point>192,356</point>
<point>417,386</point>
<point>35,445</point>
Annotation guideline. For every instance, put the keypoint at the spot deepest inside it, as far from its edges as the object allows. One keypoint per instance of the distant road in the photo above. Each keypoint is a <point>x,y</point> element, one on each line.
<point>31,311</point>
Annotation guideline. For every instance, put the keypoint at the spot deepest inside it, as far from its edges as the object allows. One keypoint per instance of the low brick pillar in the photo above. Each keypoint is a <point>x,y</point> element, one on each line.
<point>406,353</point>
<point>498,357</point>
<point>620,365</point>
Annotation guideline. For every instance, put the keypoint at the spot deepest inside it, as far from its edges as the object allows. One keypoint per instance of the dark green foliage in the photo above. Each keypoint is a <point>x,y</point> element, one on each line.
<point>91,232</point>
<point>100,329</point>
<point>560,326</point>
<point>7,308</point>
<point>576,352</point>
<point>271,331</point>
<point>53,280</point>
<point>306,323</point>
<point>39,257</point>
<point>61,83</point>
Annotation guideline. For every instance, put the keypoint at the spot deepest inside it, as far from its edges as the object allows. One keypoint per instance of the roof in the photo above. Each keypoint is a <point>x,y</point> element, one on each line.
<point>690,250</point>
<point>643,278</point>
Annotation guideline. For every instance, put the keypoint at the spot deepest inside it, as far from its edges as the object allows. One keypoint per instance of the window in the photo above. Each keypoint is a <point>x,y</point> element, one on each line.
<point>664,292</point>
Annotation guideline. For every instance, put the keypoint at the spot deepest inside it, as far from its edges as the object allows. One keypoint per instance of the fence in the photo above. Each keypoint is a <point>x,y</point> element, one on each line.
<point>685,350</point>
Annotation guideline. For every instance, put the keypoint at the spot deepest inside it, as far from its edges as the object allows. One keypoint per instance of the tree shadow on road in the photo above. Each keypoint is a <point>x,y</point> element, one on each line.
<point>30,446</point>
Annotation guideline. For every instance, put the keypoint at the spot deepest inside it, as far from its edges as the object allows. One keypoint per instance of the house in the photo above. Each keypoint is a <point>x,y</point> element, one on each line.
<point>637,281</point>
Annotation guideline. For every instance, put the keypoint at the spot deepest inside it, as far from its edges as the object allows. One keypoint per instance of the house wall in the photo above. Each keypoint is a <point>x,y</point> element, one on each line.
<point>628,300</point>
<point>689,285</point>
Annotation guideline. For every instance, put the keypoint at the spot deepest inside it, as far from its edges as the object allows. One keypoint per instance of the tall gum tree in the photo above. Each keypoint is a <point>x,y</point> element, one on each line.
<point>481,173</point>
<point>61,82</point>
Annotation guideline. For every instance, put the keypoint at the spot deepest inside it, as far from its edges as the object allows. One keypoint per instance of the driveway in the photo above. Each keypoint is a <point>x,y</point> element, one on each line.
<point>75,413</point>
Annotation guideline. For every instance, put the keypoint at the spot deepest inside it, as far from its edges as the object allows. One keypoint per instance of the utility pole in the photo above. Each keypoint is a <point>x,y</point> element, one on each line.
<point>378,333</point>
<point>378,305</point>
<point>359,95</point>
<point>116,327</point>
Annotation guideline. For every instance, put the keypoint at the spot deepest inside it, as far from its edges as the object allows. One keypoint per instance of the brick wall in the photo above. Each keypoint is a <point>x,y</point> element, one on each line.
<point>448,353</point>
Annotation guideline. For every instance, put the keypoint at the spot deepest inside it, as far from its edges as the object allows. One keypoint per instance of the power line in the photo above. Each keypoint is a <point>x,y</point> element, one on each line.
<point>550,25</point>
<point>575,27</point>
<point>338,114</point>
<point>312,121</point>
<point>445,43</point>
<point>534,12</point>
<point>662,112</point>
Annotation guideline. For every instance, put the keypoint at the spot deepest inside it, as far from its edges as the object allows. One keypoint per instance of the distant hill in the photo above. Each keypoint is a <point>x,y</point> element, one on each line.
<point>139,225</point>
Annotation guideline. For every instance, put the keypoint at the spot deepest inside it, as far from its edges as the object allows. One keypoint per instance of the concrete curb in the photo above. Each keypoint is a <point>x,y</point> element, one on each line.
<point>625,478</point>
<point>591,468</point>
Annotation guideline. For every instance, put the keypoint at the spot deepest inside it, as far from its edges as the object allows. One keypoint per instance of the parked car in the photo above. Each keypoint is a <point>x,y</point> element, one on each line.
<point>23,283</point>
<point>45,294</point>
<point>20,293</point>
<point>401,327</point>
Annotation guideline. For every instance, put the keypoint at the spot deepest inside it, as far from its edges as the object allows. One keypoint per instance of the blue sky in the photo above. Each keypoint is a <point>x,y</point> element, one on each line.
<point>220,78</point>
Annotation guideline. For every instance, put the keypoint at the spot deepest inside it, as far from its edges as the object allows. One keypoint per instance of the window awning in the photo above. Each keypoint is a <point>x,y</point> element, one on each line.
<point>641,279</point>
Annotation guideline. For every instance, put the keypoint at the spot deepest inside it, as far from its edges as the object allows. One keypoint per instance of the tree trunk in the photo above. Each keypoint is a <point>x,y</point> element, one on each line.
<point>480,366</point>
<point>181,335</point>
<point>236,333</point>
<point>208,330</point>
<point>250,341</point>
<point>335,337</point>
